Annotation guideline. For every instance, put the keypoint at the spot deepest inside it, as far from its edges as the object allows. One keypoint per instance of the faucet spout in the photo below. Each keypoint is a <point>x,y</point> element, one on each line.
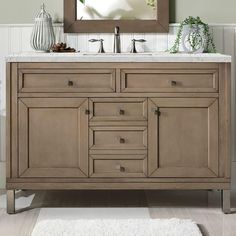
<point>117,44</point>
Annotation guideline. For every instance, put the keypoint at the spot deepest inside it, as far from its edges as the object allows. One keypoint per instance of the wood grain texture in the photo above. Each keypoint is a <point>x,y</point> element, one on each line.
<point>8,124</point>
<point>116,138</point>
<point>169,80</point>
<point>142,139</point>
<point>118,109</point>
<point>186,137</point>
<point>110,166</point>
<point>119,186</point>
<point>14,121</point>
<point>66,81</point>
<point>53,137</point>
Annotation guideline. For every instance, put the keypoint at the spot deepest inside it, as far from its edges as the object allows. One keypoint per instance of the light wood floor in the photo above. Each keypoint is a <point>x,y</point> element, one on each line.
<point>201,206</point>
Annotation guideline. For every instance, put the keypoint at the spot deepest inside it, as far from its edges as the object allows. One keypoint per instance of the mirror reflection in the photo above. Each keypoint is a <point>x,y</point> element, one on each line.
<point>117,9</point>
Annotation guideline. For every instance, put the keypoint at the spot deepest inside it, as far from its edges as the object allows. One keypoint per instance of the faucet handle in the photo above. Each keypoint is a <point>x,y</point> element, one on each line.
<point>139,40</point>
<point>134,50</point>
<point>101,49</point>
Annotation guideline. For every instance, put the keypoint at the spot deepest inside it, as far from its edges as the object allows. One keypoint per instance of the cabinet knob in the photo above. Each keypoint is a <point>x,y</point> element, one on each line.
<point>70,83</point>
<point>122,112</point>
<point>87,112</point>
<point>122,140</point>
<point>157,112</point>
<point>120,168</point>
<point>173,83</point>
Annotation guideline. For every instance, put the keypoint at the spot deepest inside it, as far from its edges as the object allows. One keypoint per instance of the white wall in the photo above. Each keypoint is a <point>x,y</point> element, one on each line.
<point>16,38</point>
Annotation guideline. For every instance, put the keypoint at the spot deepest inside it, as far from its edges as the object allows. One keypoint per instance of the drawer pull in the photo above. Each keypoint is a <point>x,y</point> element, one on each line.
<point>157,112</point>
<point>120,168</point>
<point>122,112</point>
<point>122,140</point>
<point>70,83</point>
<point>173,83</point>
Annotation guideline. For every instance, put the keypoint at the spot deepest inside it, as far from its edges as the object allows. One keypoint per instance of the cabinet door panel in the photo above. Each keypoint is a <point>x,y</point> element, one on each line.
<point>53,138</point>
<point>183,137</point>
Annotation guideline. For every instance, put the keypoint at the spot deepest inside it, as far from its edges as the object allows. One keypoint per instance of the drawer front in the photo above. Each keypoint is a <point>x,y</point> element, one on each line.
<point>67,81</point>
<point>169,81</point>
<point>114,109</point>
<point>118,166</point>
<point>115,138</point>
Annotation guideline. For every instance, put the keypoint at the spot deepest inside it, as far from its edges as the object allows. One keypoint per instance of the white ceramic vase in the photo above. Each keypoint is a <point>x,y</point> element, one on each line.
<point>43,37</point>
<point>196,32</point>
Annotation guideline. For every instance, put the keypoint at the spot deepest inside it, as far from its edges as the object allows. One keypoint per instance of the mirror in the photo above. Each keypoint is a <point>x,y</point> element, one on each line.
<point>116,10</point>
<point>101,16</point>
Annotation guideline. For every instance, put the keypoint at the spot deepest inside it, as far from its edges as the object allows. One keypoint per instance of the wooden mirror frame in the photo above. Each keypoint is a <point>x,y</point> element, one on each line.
<point>72,25</point>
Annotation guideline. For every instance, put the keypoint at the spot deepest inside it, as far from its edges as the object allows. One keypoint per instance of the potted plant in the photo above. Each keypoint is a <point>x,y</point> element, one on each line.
<point>195,37</point>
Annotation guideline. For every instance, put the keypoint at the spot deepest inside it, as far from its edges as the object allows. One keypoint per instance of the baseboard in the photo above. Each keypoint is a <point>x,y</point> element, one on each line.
<point>2,175</point>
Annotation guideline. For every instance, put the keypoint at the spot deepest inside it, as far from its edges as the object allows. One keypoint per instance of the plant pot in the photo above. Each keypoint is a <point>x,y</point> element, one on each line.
<point>193,39</point>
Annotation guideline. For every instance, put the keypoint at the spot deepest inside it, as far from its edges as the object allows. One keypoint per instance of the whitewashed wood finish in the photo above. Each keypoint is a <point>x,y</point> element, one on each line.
<point>16,38</point>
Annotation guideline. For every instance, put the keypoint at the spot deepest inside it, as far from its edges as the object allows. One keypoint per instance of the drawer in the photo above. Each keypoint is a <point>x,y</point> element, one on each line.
<point>48,80</point>
<point>114,109</point>
<point>108,138</point>
<point>133,81</point>
<point>118,166</point>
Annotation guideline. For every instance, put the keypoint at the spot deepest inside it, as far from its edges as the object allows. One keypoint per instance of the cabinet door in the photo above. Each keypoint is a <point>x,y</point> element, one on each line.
<point>183,137</point>
<point>53,137</point>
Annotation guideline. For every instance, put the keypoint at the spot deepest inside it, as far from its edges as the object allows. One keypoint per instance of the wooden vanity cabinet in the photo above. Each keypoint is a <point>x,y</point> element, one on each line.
<point>118,126</point>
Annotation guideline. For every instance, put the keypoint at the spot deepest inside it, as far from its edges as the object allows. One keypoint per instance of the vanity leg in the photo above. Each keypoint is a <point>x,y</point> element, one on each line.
<point>11,201</point>
<point>225,198</point>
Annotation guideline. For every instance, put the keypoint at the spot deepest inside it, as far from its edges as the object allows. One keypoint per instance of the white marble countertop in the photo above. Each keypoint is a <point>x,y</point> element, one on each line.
<point>123,57</point>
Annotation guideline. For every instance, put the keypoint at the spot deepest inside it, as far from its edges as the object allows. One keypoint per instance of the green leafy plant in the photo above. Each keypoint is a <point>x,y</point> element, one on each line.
<point>194,39</point>
<point>82,1</point>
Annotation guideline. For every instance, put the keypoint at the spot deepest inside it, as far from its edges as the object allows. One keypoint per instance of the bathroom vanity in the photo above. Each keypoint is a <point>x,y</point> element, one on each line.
<point>146,121</point>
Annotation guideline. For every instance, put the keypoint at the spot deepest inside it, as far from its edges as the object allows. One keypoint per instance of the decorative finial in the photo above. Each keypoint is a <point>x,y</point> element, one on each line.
<point>43,6</point>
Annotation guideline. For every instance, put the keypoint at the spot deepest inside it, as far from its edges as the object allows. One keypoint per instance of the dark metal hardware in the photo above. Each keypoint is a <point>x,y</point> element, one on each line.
<point>122,112</point>
<point>120,168</point>
<point>122,140</point>
<point>157,111</point>
<point>133,49</point>
<point>101,49</point>
<point>117,43</point>
<point>70,83</point>
<point>87,112</point>
<point>173,83</point>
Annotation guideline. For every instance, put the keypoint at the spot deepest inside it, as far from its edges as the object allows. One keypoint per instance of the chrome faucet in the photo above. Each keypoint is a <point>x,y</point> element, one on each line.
<point>117,47</point>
